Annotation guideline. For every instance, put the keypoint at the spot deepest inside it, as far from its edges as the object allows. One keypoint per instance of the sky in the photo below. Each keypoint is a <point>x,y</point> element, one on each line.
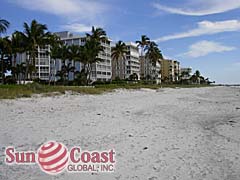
<point>202,34</point>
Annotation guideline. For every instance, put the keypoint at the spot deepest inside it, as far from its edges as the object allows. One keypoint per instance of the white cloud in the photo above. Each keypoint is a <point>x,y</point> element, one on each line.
<point>76,27</point>
<point>201,7</point>
<point>204,48</point>
<point>205,28</point>
<point>72,9</point>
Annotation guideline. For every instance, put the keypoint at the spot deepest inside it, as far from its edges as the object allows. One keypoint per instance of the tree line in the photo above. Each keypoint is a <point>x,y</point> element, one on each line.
<point>35,35</point>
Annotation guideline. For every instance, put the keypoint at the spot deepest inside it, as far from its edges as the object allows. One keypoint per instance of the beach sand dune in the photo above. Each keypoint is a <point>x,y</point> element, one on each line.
<point>168,134</point>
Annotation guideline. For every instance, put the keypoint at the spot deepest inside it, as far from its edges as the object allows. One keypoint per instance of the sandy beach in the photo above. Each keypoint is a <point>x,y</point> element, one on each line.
<point>165,134</point>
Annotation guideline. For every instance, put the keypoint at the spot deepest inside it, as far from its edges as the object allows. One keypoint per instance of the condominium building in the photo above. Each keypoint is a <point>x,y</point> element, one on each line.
<point>150,70</point>
<point>124,68</point>
<point>101,71</point>
<point>170,70</point>
<point>42,62</point>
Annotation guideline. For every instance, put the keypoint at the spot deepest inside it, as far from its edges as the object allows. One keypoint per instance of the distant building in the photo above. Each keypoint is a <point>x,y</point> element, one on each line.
<point>101,71</point>
<point>185,73</point>
<point>124,68</point>
<point>149,70</point>
<point>170,70</point>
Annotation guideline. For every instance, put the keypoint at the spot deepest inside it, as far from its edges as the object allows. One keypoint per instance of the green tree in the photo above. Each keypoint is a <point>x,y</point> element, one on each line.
<point>133,77</point>
<point>197,73</point>
<point>55,53</point>
<point>74,55</point>
<point>61,74</point>
<point>17,44</point>
<point>67,69</point>
<point>4,25</point>
<point>119,54</point>
<point>143,44</point>
<point>18,72</point>
<point>34,35</point>
<point>5,50</point>
<point>60,51</point>
<point>196,77</point>
<point>81,78</point>
<point>92,48</point>
<point>153,53</point>
<point>97,33</point>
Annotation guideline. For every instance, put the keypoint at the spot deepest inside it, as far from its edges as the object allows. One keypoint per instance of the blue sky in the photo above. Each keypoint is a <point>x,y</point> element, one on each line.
<point>201,34</point>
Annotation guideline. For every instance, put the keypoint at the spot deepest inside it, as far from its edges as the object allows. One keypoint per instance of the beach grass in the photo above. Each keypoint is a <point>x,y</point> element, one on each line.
<point>25,91</point>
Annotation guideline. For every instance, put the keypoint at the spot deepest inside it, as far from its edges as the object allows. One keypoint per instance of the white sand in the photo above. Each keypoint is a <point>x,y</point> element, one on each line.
<point>191,134</point>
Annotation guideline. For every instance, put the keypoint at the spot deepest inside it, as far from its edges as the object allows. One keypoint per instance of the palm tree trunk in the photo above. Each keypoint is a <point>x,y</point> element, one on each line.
<point>33,62</point>
<point>117,69</point>
<point>24,78</point>
<point>2,60</point>
<point>89,73</point>
<point>54,73</point>
<point>68,72</point>
<point>18,78</point>
<point>124,69</point>
<point>15,60</point>
<point>27,67</point>
<point>73,62</point>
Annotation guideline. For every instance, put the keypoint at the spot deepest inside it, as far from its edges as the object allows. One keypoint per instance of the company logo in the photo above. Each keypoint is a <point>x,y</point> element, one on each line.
<point>54,158</point>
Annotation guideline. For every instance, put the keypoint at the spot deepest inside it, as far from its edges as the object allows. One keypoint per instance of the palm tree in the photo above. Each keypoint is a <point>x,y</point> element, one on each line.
<point>55,53</point>
<point>74,54</point>
<point>92,48</point>
<point>119,53</point>
<point>84,57</point>
<point>98,34</point>
<point>196,77</point>
<point>34,35</point>
<point>69,68</point>
<point>5,49</point>
<point>17,45</point>
<point>60,51</point>
<point>19,72</point>
<point>197,73</point>
<point>61,74</point>
<point>154,55</point>
<point>143,44</point>
<point>4,25</point>
<point>133,77</point>
<point>64,72</point>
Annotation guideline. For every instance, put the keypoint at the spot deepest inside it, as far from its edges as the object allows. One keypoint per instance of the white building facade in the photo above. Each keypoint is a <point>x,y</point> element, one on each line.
<point>132,60</point>
<point>128,66</point>
<point>101,71</point>
<point>150,70</point>
<point>42,63</point>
